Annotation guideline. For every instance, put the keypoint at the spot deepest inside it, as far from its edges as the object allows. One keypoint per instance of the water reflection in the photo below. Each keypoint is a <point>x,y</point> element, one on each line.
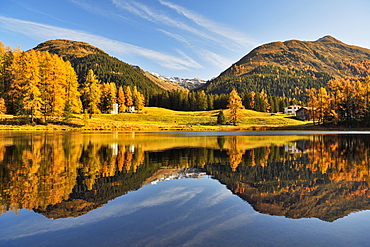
<point>64,175</point>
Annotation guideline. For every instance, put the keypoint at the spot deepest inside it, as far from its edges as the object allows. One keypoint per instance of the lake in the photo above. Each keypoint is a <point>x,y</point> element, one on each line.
<point>185,188</point>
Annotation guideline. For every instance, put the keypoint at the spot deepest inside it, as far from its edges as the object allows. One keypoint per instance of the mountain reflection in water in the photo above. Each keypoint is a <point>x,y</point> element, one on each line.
<point>69,174</point>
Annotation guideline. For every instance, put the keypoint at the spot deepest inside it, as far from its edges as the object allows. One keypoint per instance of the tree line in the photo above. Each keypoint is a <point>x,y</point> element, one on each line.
<point>201,101</point>
<point>109,69</point>
<point>101,98</point>
<point>341,102</point>
<point>38,84</point>
<point>40,169</point>
<point>273,80</point>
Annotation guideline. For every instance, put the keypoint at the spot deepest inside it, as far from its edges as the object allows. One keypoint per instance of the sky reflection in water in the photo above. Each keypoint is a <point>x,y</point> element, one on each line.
<point>188,212</point>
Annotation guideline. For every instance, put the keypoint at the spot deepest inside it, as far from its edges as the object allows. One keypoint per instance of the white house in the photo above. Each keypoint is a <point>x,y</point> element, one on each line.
<point>292,109</point>
<point>130,109</point>
<point>115,109</point>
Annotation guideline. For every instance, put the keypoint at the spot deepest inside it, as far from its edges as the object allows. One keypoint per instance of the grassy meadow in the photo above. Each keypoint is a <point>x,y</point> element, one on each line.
<point>157,119</point>
<point>164,119</point>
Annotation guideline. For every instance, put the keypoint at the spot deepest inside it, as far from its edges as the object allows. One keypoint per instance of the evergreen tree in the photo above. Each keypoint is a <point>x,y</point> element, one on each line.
<point>259,103</point>
<point>192,101</point>
<point>201,101</point>
<point>221,119</point>
<point>263,96</point>
<point>274,104</point>
<point>210,102</point>
<point>106,100</point>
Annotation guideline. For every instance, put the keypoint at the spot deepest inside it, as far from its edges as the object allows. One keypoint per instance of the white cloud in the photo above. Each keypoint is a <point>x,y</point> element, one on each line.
<point>154,16</point>
<point>38,30</point>
<point>214,27</point>
<point>91,8</point>
<point>172,195</point>
<point>213,58</point>
<point>226,224</point>
<point>205,28</point>
<point>222,194</point>
<point>209,40</point>
<point>175,36</point>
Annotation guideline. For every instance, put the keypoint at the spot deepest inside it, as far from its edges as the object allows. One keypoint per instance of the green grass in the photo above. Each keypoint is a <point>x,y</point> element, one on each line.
<point>155,119</point>
<point>155,115</point>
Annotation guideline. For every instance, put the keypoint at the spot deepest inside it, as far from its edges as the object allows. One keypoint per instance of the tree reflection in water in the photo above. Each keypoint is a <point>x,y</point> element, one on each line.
<point>68,174</point>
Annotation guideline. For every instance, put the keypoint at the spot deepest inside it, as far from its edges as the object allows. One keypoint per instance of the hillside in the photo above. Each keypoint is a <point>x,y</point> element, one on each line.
<point>84,56</point>
<point>68,49</point>
<point>290,67</point>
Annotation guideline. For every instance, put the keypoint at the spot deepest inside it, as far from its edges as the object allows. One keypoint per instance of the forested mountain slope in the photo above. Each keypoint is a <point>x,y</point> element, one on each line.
<point>290,67</point>
<point>84,56</point>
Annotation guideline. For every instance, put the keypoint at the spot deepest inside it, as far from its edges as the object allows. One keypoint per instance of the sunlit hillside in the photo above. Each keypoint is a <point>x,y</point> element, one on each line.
<point>84,57</point>
<point>183,119</point>
<point>288,68</point>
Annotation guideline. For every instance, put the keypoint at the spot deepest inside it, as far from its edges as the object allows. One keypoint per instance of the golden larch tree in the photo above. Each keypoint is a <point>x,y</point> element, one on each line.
<point>91,94</point>
<point>235,105</point>
<point>128,97</point>
<point>138,100</point>
<point>25,84</point>
<point>73,102</point>
<point>52,83</point>
<point>2,106</point>
<point>121,100</point>
<point>312,102</point>
<point>322,104</point>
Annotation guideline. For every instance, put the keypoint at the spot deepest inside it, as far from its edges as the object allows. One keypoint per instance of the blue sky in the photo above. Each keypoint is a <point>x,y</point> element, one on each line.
<point>192,38</point>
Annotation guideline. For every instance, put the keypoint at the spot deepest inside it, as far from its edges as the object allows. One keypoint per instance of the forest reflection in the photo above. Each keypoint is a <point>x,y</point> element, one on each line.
<point>68,174</point>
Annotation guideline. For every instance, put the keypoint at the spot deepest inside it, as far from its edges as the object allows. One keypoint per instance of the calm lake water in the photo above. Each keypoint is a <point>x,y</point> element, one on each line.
<point>185,189</point>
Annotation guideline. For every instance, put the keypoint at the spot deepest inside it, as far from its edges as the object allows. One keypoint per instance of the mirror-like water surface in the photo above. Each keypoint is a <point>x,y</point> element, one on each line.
<point>184,189</point>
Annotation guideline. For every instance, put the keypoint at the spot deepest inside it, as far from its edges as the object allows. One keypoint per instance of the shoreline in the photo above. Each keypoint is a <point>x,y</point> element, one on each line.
<point>129,127</point>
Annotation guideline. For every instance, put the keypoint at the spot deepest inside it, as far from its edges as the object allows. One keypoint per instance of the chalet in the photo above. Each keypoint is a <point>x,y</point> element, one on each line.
<point>292,109</point>
<point>114,109</point>
<point>305,113</point>
<point>130,109</point>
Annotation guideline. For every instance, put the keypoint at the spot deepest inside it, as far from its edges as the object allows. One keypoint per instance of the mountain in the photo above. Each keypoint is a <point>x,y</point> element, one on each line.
<point>291,66</point>
<point>84,56</point>
<point>166,85</point>
<point>184,83</point>
<point>325,201</point>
